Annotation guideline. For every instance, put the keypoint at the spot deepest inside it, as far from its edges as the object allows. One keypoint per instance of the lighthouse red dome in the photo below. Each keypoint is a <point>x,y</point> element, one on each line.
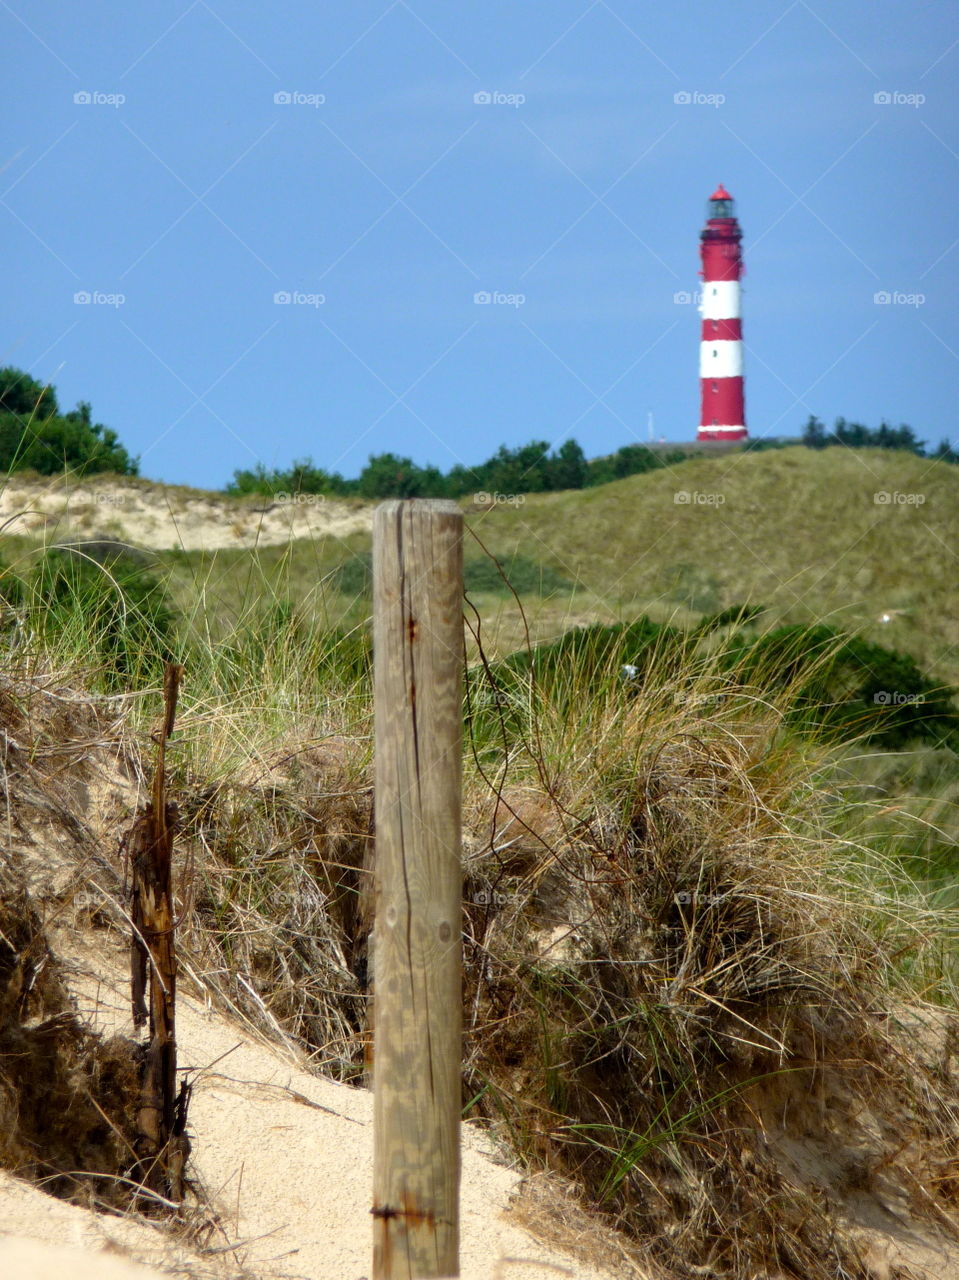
<point>720,193</point>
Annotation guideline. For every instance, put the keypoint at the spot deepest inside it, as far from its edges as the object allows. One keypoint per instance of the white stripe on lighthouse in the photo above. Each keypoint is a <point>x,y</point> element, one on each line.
<point>720,300</point>
<point>721,359</point>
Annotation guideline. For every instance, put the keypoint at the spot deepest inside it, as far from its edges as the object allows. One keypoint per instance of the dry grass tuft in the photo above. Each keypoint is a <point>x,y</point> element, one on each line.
<point>678,1000</point>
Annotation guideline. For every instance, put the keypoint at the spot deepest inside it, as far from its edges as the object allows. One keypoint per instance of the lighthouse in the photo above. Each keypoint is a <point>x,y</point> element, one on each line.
<point>723,412</point>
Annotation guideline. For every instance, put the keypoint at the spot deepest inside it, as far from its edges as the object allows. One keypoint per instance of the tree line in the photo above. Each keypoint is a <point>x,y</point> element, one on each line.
<point>36,435</point>
<point>531,468</point>
<point>537,468</point>
<point>855,436</point>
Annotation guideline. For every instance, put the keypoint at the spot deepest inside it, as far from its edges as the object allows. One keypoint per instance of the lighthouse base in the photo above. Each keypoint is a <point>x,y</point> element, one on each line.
<point>722,433</point>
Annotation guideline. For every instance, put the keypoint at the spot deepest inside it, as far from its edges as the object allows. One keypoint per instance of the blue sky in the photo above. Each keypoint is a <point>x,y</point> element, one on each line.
<point>382,197</point>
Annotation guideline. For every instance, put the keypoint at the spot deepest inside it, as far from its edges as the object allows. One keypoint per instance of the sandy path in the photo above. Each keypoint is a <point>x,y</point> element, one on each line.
<point>287,1158</point>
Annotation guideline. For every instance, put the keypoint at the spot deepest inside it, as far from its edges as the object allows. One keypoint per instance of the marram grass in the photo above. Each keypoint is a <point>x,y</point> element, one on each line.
<point>691,941</point>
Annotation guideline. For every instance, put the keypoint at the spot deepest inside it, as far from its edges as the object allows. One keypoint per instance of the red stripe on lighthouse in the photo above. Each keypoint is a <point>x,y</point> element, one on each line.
<point>722,330</point>
<point>722,409</point>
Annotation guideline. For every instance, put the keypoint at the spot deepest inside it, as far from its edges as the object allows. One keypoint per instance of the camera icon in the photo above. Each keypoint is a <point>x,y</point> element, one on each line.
<point>483,98</point>
<point>882,698</point>
<point>82,298</point>
<point>83,98</point>
<point>282,99</point>
<point>683,98</point>
<point>681,498</point>
<point>882,499</point>
<point>282,298</point>
<point>882,99</point>
<point>882,298</point>
<point>482,298</point>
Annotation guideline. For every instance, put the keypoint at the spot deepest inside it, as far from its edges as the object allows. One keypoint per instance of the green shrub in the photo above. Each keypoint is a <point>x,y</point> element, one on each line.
<point>850,687</point>
<point>834,685</point>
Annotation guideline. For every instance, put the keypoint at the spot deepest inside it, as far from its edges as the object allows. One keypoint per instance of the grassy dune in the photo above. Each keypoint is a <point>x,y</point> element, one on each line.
<point>703,948</point>
<point>795,529</point>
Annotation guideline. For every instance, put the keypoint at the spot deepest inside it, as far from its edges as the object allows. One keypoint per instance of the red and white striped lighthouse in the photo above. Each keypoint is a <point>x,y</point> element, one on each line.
<point>723,414</point>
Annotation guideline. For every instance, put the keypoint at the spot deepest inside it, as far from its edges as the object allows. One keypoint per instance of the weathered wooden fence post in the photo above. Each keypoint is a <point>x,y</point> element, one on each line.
<point>417,955</point>
<point>162,1145</point>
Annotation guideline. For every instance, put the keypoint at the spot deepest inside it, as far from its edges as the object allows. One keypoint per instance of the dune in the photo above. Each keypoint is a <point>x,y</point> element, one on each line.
<point>161,517</point>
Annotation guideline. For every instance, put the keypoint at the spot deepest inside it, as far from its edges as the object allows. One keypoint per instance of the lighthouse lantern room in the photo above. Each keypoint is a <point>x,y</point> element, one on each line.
<point>722,415</point>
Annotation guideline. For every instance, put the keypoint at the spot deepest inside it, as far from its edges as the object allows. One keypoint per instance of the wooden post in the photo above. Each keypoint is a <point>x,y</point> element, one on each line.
<point>162,1145</point>
<point>417,960</point>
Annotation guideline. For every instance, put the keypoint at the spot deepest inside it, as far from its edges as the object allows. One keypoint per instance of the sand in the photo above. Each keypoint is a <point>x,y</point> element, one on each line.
<point>285,1156</point>
<point>41,1238</point>
<point>161,517</point>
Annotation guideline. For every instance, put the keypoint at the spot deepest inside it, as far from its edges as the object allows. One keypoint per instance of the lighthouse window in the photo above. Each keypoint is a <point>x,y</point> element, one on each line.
<point>714,292</point>
<point>715,387</point>
<point>715,325</point>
